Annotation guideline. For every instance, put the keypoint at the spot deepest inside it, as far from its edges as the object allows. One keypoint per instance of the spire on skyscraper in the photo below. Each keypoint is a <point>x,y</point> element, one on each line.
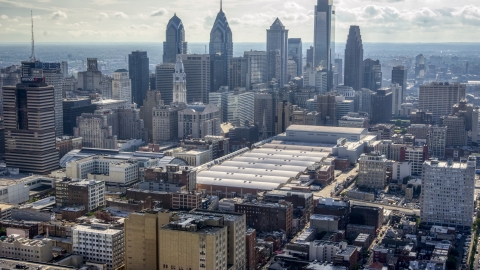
<point>32,56</point>
<point>221,8</point>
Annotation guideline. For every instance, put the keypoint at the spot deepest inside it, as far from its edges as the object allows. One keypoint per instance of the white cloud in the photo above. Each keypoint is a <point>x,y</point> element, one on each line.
<point>159,12</point>
<point>102,16</point>
<point>4,17</point>
<point>120,15</point>
<point>59,15</point>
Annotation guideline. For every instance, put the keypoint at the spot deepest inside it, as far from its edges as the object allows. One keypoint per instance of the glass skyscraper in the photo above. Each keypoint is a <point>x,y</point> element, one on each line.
<point>175,40</point>
<point>324,37</point>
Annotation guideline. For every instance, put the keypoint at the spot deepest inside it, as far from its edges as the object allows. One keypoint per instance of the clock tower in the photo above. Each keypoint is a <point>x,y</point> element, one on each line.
<point>179,82</point>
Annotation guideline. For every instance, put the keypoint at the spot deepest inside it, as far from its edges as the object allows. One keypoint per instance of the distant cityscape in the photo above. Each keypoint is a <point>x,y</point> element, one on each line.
<point>334,154</point>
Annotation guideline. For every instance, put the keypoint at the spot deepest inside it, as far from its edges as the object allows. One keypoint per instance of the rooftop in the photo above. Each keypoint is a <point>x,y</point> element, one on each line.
<point>326,129</point>
<point>98,228</point>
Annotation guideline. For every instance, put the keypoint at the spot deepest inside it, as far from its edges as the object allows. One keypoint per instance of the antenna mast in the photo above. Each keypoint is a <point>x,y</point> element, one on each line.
<point>32,57</point>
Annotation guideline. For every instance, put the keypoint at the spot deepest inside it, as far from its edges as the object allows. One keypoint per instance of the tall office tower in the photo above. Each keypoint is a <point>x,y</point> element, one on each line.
<point>241,109</point>
<point>73,108</point>
<point>295,52</point>
<point>354,59</point>
<point>283,116</point>
<point>220,99</point>
<point>315,78</point>
<point>420,67</point>
<point>221,51</point>
<point>456,131</point>
<point>448,193</point>
<point>175,40</point>
<point>29,124</point>
<point>475,134</point>
<point>338,71</point>
<point>372,74</point>
<point>95,131</point>
<point>327,107</point>
<point>396,98</point>
<point>106,84</point>
<point>372,171</point>
<point>153,100</point>
<point>399,75</point>
<point>164,83</point>
<point>365,100</point>
<point>256,68</point>
<point>198,120</point>
<point>130,125</point>
<point>197,68</point>
<point>122,86</point>
<point>437,141</point>
<point>309,57</point>
<point>439,98</point>
<point>64,69</point>
<point>324,38</point>
<point>381,106</point>
<point>152,82</point>
<point>89,81</point>
<point>344,107</point>
<point>264,114</point>
<point>238,72</point>
<point>179,82</point>
<point>52,72</point>
<point>139,72</point>
<point>277,52</point>
<point>165,122</point>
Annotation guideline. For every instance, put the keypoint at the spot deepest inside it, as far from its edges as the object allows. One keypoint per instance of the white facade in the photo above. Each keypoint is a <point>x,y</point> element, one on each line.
<point>325,251</point>
<point>99,243</point>
<point>241,108</point>
<point>315,78</point>
<point>400,170</point>
<point>179,82</point>
<point>102,168</point>
<point>447,196</point>
<point>96,192</point>
<point>16,189</point>
<point>199,120</point>
<point>192,157</point>
<point>396,99</point>
<point>122,86</point>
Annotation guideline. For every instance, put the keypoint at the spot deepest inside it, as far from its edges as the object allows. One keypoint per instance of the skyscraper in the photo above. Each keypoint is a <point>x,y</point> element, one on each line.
<point>238,72</point>
<point>29,121</point>
<point>381,106</point>
<point>439,98</point>
<point>399,75</point>
<point>138,67</point>
<point>179,82</point>
<point>354,59</point>
<point>175,40</point>
<point>153,100</point>
<point>324,37</point>
<point>256,68</point>
<point>372,74</point>
<point>420,67</point>
<point>277,52</point>
<point>339,70</point>
<point>122,86</point>
<point>295,52</point>
<point>197,68</point>
<point>164,83</point>
<point>221,51</point>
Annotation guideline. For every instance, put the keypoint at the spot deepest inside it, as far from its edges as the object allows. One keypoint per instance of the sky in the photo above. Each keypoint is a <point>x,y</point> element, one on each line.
<point>397,21</point>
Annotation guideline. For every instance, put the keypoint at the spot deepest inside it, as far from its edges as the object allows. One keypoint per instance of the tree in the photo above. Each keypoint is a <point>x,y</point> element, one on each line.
<point>3,231</point>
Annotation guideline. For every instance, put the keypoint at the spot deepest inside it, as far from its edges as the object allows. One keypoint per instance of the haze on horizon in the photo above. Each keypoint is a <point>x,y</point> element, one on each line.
<point>400,21</point>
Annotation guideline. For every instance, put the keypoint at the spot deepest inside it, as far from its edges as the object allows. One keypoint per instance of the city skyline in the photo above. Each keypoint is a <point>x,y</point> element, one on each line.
<point>116,21</point>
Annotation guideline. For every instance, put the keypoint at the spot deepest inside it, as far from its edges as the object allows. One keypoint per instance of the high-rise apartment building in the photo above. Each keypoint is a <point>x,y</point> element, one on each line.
<point>439,98</point>
<point>353,75</point>
<point>399,75</point>
<point>29,123</point>
<point>372,171</point>
<point>122,86</point>
<point>221,51</point>
<point>437,142</point>
<point>277,52</point>
<point>324,37</point>
<point>139,73</point>
<point>175,40</point>
<point>447,197</point>
<point>179,82</point>
<point>164,82</point>
<point>197,68</point>
<point>256,68</point>
<point>372,74</point>
<point>295,53</point>
<point>381,106</point>
<point>198,120</point>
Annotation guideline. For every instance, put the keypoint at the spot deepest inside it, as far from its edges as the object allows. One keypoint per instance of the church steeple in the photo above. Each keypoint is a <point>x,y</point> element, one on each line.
<point>179,82</point>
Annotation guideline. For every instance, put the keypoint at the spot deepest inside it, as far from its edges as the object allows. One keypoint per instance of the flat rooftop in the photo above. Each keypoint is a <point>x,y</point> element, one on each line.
<point>326,129</point>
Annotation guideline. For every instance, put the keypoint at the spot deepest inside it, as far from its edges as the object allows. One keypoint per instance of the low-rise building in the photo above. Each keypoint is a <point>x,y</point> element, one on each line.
<point>324,223</point>
<point>108,248</point>
<point>26,249</point>
<point>340,254</point>
<point>89,193</point>
<point>5,211</point>
<point>194,157</point>
<point>124,172</point>
<point>16,188</point>
<point>372,171</point>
